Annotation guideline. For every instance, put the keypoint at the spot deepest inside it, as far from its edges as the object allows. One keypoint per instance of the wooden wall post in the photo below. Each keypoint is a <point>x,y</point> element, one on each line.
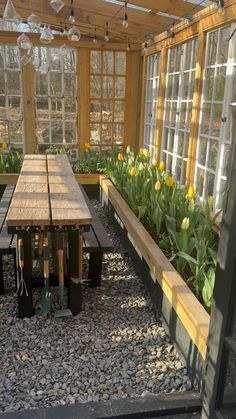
<point>29,111</point>
<point>83,96</point>
<point>132,99</point>
<point>194,124</point>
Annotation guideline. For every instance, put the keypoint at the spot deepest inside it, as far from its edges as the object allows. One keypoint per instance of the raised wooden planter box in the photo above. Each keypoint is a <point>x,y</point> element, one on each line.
<point>186,319</point>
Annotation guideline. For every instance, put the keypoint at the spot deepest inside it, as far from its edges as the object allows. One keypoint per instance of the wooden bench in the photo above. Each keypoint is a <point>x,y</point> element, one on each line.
<point>96,243</point>
<point>7,242</point>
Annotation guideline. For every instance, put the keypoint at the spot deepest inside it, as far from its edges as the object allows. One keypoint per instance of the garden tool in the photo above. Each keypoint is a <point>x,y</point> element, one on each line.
<point>21,286</point>
<point>63,311</point>
<point>80,279</point>
<point>47,295</point>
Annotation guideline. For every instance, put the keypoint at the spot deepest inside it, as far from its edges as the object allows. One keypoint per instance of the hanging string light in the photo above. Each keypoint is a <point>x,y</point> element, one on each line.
<point>106,36</point>
<point>125,18</point>
<point>95,40</point>
<point>128,48</point>
<point>72,13</point>
<point>220,6</point>
<point>57,5</point>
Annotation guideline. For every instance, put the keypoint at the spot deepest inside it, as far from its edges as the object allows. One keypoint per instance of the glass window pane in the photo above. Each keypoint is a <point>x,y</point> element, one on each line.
<point>200,181</point>
<point>15,131</point>
<point>213,152</point>
<point>119,111</point>
<point>4,131</point>
<point>220,83</point>
<point>202,151</point>
<point>107,134</point>
<point>2,83</point>
<point>217,114</point>
<point>206,114</point>
<point>107,87</point>
<point>212,48</point>
<point>55,84</point>
<point>209,83</point>
<point>56,107</point>
<point>70,84</point>
<point>107,111</point>
<point>118,133</point>
<point>120,87</point>
<point>42,130</point>
<point>70,132</point>
<point>57,131</point>
<point>95,111</point>
<point>14,107</point>
<point>120,63</point>
<point>41,83</point>
<point>95,86</point>
<point>3,107</point>
<point>42,107</point>
<point>108,62</point>
<point>95,133</point>
<point>224,44</point>
<point>95,61</point>
<point>70,107</point>
<point>13,82</point>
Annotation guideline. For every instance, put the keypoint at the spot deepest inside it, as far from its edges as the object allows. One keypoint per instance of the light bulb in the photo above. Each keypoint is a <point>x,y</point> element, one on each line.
<point>23,42</point>
<point>33,21</point>
<point>95,41</point>
<point>128,48</point>
<point>74,34</point>
<point>125,21</point>
<point>46,35</point>
<point>220,7</point>
<point>106,36</point>
<point>72,16</point>
<point>57,5</point>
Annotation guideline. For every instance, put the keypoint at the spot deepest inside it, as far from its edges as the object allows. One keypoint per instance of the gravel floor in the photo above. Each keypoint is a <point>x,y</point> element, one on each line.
<point>115,348</point>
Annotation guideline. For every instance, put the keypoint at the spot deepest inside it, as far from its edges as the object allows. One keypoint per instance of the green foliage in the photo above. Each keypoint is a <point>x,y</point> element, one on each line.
<point>10,160</point>
<point>182,229</point>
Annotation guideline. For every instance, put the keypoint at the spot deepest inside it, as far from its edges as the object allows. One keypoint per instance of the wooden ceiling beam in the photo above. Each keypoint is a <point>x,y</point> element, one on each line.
<point>178,8</point>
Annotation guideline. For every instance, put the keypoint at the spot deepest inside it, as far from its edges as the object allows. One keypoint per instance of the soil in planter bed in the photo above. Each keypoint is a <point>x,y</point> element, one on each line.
<point>115,348</point>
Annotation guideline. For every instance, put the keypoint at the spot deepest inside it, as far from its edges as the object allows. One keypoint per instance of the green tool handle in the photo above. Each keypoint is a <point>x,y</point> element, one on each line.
<point>45,258</point>
<point>60,267</point>
<point>21,253</point>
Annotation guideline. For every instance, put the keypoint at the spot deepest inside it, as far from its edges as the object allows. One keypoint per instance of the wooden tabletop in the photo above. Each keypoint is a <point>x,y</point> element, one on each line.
<point>47,194</point>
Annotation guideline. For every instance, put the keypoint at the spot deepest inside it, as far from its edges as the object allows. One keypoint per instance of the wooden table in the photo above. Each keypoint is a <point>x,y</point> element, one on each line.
<point>48,198</point>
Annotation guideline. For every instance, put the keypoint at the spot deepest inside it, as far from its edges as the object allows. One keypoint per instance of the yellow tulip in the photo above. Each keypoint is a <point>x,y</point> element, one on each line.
<point>210,201</point>
<point>132,171</point>
<point>157,185</point>
<point>141,167</point>
<point>140,153</point>
<point>185,223</point>
<point>154,162</point>
<point>87,146</point>
<point>191,193</point>
<point>4,146</point>
<point>120,157</point>
<point>162,166</point>
<point>146,153</point>
<point>169,181</point>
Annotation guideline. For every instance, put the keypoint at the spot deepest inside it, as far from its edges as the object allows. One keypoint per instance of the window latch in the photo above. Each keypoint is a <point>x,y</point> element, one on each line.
<point>223,119</point>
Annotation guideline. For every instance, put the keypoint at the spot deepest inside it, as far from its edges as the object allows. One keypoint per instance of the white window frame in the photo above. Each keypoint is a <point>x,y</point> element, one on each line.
<point>222,139</point>
<point>151,102</point>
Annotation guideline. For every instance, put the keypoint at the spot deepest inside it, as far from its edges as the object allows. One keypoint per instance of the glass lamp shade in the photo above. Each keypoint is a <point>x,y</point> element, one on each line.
<point>74,34</point>
<point>46,35</point>
<point>33,21</point>
<point>10,12</point>
<point>57,5</point>
<point>23,42</point>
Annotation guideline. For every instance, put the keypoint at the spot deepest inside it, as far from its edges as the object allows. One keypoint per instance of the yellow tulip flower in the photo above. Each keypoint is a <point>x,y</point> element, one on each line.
<point>87,146</point>
<point>169,181</point>
<point>146,153</point>
<point>210,201</point>
<point>120,157</point>
<point>140,153</point>
<point>157,185</point>
<point>4,146</point>
<point>162,166</point>
<point>191,193</point>
<point>185,223</point>
<point>132,171</point>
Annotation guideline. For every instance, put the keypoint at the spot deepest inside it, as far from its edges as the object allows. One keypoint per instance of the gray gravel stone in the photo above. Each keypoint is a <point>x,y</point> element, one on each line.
<point>115,348</point>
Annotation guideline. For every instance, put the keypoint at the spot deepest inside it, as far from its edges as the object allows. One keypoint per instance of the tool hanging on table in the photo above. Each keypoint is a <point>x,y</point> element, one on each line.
<point>47,295</point>
<point>21,285</point>
<point>63,311</point>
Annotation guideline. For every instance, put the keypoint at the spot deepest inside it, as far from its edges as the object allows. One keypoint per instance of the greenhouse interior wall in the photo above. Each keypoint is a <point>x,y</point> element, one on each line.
<point>172,96</point>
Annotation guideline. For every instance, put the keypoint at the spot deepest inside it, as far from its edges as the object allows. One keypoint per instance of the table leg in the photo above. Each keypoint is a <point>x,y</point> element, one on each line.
<point>25,303</point>
<point>75,261</point>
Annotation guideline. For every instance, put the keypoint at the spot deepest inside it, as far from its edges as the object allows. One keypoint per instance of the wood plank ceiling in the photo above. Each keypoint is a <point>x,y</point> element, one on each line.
<point>146,18</point>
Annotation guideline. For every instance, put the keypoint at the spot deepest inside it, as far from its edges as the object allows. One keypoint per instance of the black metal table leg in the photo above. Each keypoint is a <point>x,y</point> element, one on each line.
<point>75,288</point>
<point>95,269</point>
<point>25,303</point>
